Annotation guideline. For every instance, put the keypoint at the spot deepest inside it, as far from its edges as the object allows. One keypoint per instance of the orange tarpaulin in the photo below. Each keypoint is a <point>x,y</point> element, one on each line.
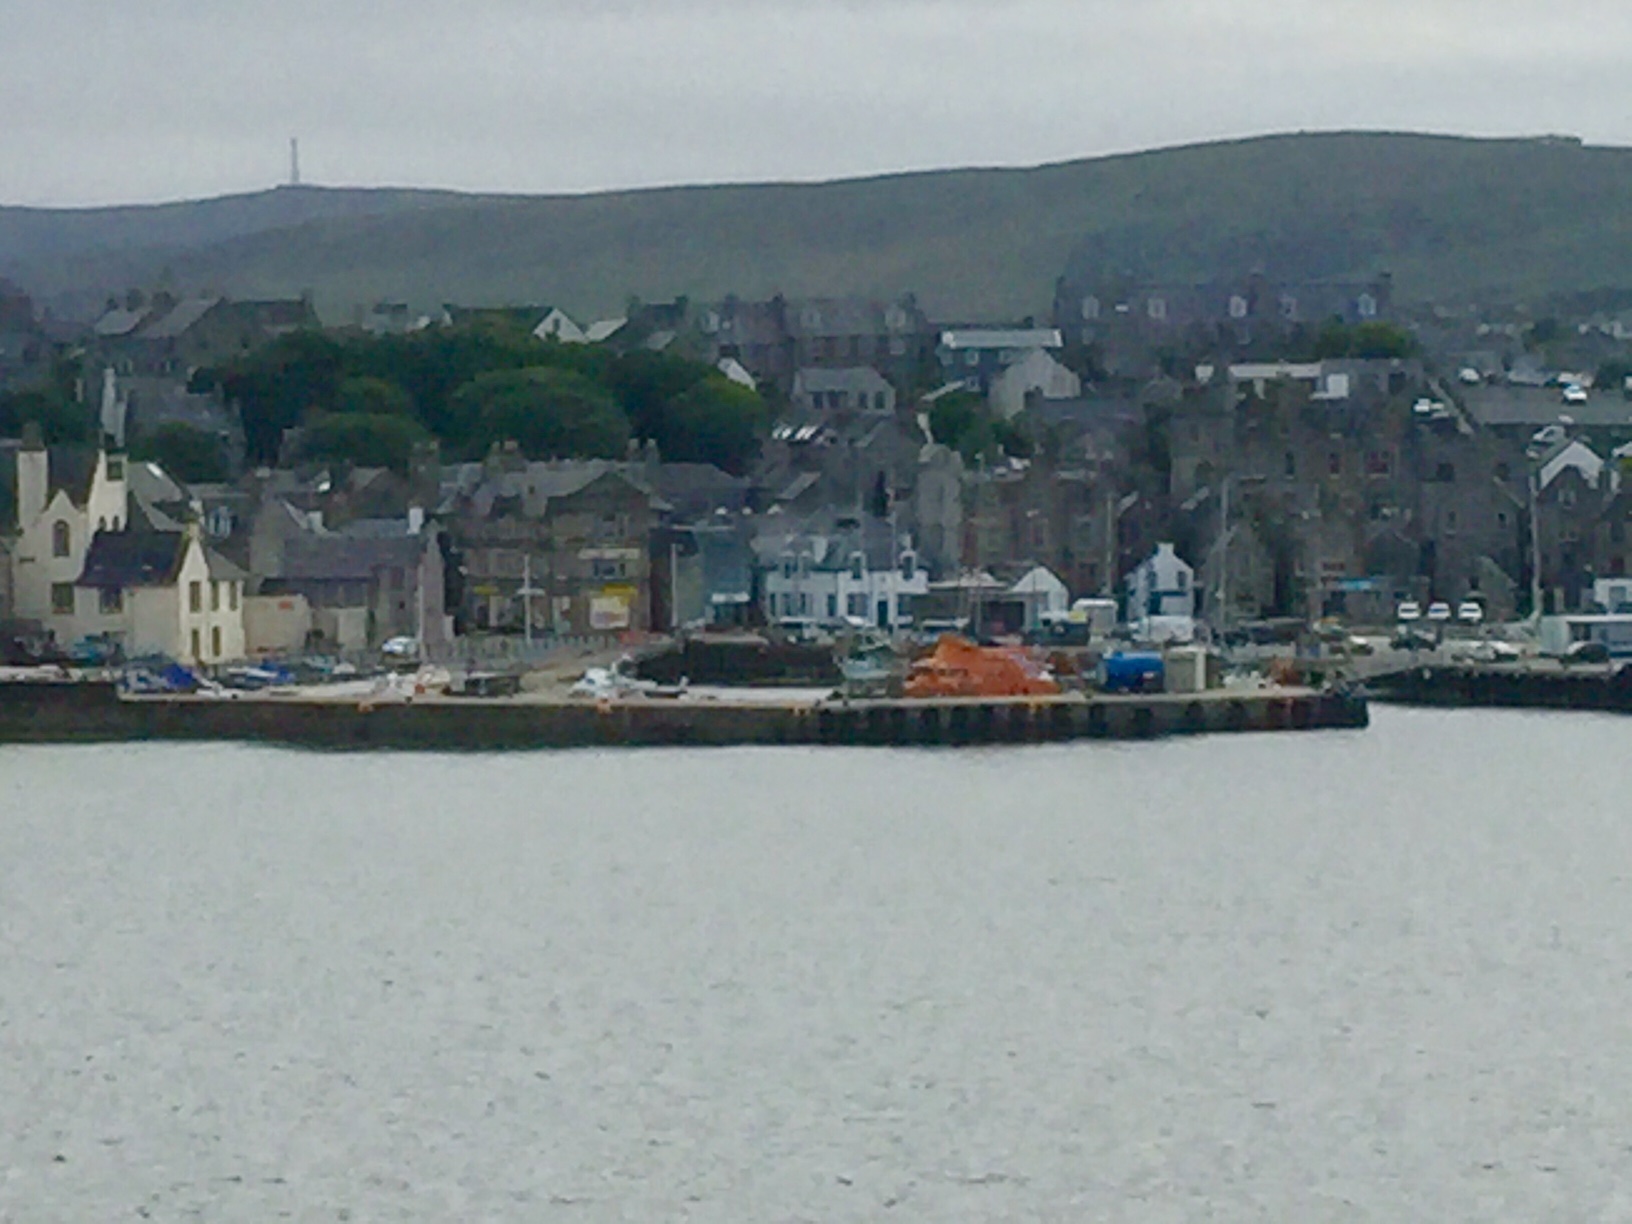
<point>959,668</point>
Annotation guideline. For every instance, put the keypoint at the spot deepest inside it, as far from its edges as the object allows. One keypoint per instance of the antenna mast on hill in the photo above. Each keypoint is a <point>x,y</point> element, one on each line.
<point>294,161</point>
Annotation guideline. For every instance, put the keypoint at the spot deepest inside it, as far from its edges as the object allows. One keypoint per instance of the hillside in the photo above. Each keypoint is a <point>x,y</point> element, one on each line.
<point>1449,216</point>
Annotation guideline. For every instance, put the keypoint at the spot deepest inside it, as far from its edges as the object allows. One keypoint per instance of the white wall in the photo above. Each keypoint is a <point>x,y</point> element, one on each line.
<point>217,626</point>
<point>35,567</point>
<point>276,624</point>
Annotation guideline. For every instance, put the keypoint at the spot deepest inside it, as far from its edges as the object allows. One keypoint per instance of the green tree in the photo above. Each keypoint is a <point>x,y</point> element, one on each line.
<point>550,413</point>
<point>193,456</point>
<point>714,421</point>
<point>369,395</point>
<point>60,418</point>
<point>363,439</point>
<point>276,387</point>
<point>1612,374</point>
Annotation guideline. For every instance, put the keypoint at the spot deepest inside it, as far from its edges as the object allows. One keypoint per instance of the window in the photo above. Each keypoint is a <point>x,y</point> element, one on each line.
<point>1367,306</point>
<point>1566,498</point>
<point>116,468</point>
<point>61,539</point>
<point>1501,518</point>
<point>215,642</point>
<point>1090,308</point>
<point>195,599</point>
<point>112,601</point>
<point>787,566</point>
<point>62,598</point>
<point>198,649</point>
<point>1156,308</point>
<point>1334,464</point>
<point>1450,522</point>
<point>1238,307</point>
<point>232,596</point>
<point>1291,465</point>
<point>858,566</point>
<point>1289,306</point>
<point>909,565</point>
<point>101,524</point>
<point>215,597</point>
<point>832,607</point>
<point>971,358</point>
<point>856,604</point>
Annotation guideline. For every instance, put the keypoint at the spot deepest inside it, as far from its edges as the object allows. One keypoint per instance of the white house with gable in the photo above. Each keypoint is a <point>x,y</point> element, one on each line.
<point>1162,595</point>
<point>163,592</point>
<point>1036,373</point>
<point>558,325</point>
<point>63,500</point>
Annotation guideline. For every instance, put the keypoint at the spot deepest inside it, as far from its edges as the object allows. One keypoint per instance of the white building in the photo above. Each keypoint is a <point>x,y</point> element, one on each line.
<point>1036,373</point>
<point>1163,586</point>
<point>558,325</point>
<point>859,389</point>
<point>1043,595</point>
<point>852,577</point>
<point>162,592</point>
<point>63,500</point>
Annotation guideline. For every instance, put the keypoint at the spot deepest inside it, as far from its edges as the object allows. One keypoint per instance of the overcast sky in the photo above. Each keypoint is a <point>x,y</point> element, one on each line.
<point>105,101</point>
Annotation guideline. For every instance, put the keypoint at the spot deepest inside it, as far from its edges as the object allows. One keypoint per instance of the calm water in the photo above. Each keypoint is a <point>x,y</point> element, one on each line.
<point>1351,976</point>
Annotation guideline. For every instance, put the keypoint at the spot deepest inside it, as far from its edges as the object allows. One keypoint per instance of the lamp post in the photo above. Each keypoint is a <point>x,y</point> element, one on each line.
<point>527,592</point>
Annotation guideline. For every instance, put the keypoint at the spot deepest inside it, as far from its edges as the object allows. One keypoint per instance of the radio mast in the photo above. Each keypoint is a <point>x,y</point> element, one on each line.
<point>294,161</point>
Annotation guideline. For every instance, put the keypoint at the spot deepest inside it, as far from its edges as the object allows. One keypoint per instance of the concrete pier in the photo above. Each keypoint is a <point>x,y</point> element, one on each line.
<point>96,713</point>
<point>1532,686</point>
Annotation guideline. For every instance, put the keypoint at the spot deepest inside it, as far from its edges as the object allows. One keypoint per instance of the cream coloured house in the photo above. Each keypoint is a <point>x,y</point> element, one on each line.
<point>162,592</point>
<point>63,500</point>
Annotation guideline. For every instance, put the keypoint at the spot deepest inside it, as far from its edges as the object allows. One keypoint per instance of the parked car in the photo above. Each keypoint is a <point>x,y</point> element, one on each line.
<point>1408,611</point>
<point>1439,611</point>
<point>1586,652</point>
<point>1412,639</point>
<point>1470,612</point>
<point>1575,394</point>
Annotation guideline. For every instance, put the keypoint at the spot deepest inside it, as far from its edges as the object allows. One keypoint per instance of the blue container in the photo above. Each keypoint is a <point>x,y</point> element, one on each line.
<point>1131,672</point>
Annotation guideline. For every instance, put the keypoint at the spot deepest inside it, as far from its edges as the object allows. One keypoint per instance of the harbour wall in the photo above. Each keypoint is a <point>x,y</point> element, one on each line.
<point>96,713</point>
<point>1583,688</point>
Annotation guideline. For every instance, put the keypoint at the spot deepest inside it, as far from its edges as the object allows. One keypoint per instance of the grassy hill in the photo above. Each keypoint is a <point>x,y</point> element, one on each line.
<point>1450,217</point>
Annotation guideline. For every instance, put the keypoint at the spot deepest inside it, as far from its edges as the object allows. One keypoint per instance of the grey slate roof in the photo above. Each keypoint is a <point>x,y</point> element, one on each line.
<point>134,558</point>
<point>815,380</point>
<point>336,558</point>
<point>181,317</point>
<point>1495,407</point>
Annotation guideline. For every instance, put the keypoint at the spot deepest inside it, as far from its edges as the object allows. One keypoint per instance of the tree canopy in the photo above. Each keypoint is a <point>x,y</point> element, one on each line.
<point>487,381</point>
<point>191,455</point>
<point>549,413</point>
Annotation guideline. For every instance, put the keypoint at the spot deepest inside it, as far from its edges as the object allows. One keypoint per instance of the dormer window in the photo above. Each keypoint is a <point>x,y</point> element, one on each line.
<point>1238,307</point>
<point>858,566</point>
<point>909,565</point>
<point>1367,306</point>
<point>116,468</point>
<point>1090,308</point>
<point>61,539</point>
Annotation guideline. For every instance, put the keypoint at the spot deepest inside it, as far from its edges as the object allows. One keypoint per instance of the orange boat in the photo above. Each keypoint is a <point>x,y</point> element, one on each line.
<point>959,668</point>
